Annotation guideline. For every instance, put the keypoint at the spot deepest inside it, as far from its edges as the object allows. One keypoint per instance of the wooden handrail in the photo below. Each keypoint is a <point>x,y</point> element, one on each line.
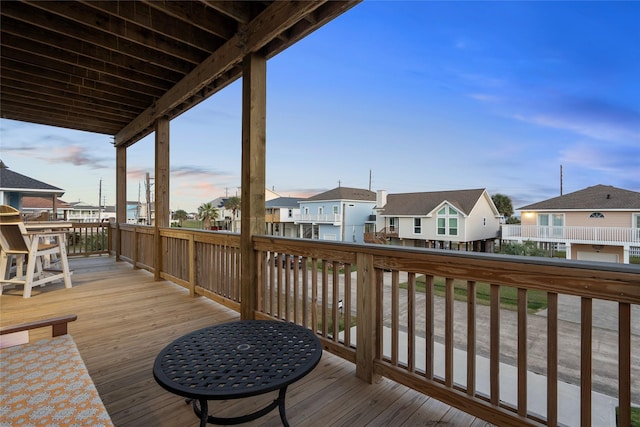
<point>58,325</point>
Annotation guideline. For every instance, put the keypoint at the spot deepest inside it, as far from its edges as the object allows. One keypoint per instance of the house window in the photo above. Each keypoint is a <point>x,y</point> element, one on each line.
<point>447,222</point>
<point>306,211</point>
<point>551,225</point>
<point>335,209</point>
<point>320,210</point>
<point>596,215</point>
<point>417,225</point>
<point>393,224</point>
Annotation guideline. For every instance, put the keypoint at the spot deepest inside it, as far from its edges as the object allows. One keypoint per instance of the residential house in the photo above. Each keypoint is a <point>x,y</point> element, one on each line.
<point>280,214</point>
<point>458,219</point>
<point>84,212</point>
<point>14,187</point>
<point>339,214</point>
<point>229,220</point>
<point>36,208</point>
<point>599,223</point>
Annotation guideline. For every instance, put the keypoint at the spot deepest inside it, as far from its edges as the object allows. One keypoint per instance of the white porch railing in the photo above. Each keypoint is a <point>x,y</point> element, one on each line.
<point>572,234</point>
<point>324,218</point>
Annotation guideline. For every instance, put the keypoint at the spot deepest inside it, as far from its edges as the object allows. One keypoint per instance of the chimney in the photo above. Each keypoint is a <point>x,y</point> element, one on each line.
<point>381,199</point>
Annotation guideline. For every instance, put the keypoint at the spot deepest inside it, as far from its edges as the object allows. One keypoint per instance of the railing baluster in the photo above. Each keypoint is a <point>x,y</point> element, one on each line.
<point>325,297</point>
<point>346,305</point>
<point>522,352</point>
<point>552,359</point>
<point>296,289</point>
<point>494,352</point>
<point>335,294</point>
<point>471,338</point>
<point>314,294</point>
<point>305,292</point>
<point>395,316</point>
<point>429,325</point>
<point>411,321</point>
<point>448,332</point>
<point>585,360</point>
<point>624,363</point>
<point>272,281</point>
<point>279,286</point>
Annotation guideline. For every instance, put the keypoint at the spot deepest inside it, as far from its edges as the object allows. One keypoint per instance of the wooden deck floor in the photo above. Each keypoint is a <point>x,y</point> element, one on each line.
<point>125,318</point>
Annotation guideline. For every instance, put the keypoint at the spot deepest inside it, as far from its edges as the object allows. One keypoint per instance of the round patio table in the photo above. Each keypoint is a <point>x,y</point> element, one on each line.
<point>235,360</point>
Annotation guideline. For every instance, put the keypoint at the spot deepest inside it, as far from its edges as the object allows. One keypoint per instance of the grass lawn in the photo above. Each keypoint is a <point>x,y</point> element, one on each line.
<point>635,416</point>
<point>536,300</point>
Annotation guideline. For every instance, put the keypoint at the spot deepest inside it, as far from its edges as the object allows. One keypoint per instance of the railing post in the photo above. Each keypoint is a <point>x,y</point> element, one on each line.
<point>366,339</point>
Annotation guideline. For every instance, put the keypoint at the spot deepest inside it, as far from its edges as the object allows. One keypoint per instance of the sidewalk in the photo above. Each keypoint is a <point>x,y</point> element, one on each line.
<point>603,407</point>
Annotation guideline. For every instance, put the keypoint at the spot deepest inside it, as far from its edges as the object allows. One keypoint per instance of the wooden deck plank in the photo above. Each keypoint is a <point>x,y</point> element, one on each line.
<point>125,318</point>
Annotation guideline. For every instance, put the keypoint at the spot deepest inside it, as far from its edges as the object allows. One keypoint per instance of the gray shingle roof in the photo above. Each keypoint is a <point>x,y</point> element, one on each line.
<point>598,197</point>
<point>283,202</point>
<point>424,203</point>
<point>13,181</point>
<point>345,193</point>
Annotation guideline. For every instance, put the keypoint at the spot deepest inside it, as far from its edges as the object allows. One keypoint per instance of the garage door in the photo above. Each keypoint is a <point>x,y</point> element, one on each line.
<point>597,256</point>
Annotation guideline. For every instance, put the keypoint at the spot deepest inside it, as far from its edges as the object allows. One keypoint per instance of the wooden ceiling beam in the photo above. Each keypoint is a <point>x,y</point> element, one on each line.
<point>97,81</point>
<point>237,10</point>
<point>156,21</point>
<point>56,48</point>
<point>111,108</point>
<point>42,85</point>
<point>36,26</point>
<point>275,19</point>
<point>196,14</point>
<point>34,101</point>
<point>113,31</point>
<point>70,121</point>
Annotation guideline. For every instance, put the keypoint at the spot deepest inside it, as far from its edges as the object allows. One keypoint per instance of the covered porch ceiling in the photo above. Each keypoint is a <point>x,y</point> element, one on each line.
<point>114,67</point>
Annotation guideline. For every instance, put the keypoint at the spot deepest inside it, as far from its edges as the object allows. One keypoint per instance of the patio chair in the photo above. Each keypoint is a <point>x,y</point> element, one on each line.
<point>37,250</point>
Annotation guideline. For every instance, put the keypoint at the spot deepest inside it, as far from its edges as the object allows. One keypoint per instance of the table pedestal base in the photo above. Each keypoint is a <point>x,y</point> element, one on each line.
<point>203,412</point>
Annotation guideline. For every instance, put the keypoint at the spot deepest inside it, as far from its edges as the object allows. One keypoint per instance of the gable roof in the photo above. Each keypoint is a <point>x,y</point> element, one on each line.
<point>283,202</point>
<point>38,202</point>
<point>598,197</point>
<point>13,181</point>
<point>344,193</point>
<point>425,202</point>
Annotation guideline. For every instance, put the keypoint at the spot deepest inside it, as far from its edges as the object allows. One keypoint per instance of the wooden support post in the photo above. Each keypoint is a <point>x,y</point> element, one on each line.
<point>161,203</point>
<point>366,339</point>
<point>254,112</point>
<point>121,196</point>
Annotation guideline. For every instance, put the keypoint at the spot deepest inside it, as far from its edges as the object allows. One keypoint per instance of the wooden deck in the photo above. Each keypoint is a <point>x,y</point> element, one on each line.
<point>125,318</point>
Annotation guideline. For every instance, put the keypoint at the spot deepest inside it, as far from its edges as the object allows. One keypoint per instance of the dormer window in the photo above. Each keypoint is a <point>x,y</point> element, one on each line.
<point>596,215</point>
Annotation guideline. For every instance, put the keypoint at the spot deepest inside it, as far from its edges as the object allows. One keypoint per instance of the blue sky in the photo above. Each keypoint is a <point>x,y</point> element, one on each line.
<point>421,96</point>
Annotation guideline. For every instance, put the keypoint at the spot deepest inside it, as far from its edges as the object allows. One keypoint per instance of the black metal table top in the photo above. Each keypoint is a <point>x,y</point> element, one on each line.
<point>237,359</point>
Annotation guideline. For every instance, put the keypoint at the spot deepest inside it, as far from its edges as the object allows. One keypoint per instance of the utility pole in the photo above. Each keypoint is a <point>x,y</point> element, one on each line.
<point>369,179</point>
<point>561,180</point>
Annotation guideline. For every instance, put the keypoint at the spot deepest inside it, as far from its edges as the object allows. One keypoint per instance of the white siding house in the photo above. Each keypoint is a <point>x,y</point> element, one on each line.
<point>459,219</point>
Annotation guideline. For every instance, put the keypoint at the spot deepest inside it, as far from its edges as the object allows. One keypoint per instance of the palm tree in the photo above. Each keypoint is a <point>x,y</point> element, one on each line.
<point>503,204</point>
<point>180,215</point>
<point>206,213</point>
<point>233,204</point>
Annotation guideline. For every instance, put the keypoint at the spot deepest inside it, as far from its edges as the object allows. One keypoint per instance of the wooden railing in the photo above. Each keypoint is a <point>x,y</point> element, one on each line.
<point>88,238</point>
<point>394,312</point>
<point>575,234</point>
